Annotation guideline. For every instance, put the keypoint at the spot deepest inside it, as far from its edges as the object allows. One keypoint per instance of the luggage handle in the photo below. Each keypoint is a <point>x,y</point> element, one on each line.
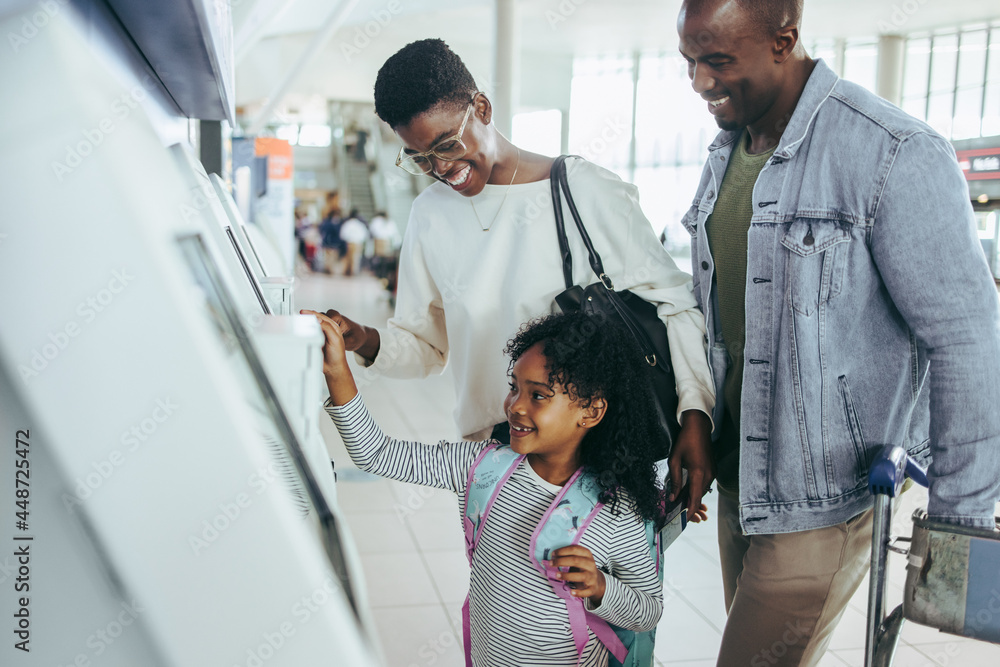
<point>891,467</point>
<point>889,470</point>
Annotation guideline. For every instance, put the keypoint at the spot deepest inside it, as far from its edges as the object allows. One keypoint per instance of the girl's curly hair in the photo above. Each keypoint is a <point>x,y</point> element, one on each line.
<point>594,357</point>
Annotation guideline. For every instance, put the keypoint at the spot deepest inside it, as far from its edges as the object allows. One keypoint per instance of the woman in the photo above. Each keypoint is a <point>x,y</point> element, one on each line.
<point>480,255</point>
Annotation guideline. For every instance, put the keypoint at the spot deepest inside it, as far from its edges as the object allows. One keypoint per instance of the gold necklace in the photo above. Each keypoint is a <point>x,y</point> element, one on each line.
<point>502,201</point>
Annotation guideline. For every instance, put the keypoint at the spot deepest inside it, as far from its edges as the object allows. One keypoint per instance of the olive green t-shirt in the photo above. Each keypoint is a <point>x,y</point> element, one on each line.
<point>727,230</point>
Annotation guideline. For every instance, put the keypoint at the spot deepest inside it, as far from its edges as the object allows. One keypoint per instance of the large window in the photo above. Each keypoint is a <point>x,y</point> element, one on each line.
<point>672,132</point>
<point>600,126</point>
<point>673,129</point>
<point>538,131</point>
<point>952,80</point>
<point>861,62</point>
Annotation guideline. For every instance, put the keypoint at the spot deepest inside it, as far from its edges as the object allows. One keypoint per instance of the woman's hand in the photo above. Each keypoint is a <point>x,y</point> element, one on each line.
<point>357,338</point>
<point>339,379</point>
<point>583,576</point>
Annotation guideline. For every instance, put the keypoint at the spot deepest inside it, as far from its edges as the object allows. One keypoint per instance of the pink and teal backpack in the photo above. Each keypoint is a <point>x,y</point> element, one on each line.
<point>563,524</point>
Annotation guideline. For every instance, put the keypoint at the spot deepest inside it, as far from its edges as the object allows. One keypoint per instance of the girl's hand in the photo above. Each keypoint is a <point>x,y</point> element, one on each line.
<point>584,577</point>
<point>357,338</point>
<point>339,379</point>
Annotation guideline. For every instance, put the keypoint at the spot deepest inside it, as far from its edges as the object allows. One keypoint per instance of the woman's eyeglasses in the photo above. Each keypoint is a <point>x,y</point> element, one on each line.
<point>448,150</point>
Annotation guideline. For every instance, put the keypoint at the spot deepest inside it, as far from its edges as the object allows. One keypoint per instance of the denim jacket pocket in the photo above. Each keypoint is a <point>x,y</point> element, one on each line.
<point>854,426</point>
<point>815,263</point>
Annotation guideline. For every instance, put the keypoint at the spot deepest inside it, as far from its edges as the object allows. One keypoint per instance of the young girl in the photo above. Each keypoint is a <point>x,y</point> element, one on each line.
<point>575,400</point>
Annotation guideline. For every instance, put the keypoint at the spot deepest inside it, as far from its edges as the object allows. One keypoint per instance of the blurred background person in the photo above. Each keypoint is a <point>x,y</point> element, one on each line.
<point>385,240</point>
<point>353,235</point>
<point>329,230</point>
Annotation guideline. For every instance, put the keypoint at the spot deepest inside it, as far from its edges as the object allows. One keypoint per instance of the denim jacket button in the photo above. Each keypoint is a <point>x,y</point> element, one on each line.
<point>711,194</point>
<point>704,265</point>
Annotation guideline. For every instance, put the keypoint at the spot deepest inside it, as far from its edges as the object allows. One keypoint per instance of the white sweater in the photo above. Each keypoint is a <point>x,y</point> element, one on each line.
<point>464,292</point>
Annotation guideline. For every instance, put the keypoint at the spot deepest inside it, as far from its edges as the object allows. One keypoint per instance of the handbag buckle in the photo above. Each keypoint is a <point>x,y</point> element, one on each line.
<point>606,279</point>
<point>651,359</point>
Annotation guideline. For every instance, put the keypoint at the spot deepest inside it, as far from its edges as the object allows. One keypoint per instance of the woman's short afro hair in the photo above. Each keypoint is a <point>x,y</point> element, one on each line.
<point>419,77</point>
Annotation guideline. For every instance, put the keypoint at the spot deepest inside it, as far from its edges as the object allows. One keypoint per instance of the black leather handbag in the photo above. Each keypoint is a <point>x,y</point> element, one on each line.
<point>636,314</point>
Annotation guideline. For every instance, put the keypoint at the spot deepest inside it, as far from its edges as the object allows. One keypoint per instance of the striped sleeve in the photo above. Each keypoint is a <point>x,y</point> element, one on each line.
<point>443,466</point>
<point>633,596</point>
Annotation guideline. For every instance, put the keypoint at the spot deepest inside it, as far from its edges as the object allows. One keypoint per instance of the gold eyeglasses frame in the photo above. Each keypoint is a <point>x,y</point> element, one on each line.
<point>409,163</point>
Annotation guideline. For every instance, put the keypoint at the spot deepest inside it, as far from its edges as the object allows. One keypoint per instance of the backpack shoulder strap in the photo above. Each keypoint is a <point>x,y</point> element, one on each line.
<point>563,524</point>
<point>487,475</point>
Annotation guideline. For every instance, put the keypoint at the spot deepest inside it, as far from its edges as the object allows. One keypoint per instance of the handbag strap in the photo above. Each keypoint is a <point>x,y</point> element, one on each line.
<point>559,180</point>
<point>567,257</point>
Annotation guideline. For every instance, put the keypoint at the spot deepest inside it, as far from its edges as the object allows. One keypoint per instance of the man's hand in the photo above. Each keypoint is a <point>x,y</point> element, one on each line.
<point>692,452</point>
<point>583,576</point>
<point>357,338</point>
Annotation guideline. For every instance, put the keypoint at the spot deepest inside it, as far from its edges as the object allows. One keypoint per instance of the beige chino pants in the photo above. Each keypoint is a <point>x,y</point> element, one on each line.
<point>786,593</point>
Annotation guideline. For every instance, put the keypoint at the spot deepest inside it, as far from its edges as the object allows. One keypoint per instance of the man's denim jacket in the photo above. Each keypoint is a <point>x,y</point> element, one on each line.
<point>871,316</point>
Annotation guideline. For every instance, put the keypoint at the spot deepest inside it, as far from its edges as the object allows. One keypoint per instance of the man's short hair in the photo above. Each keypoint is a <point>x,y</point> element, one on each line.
<point>419,77</point>
<point>770,16</point>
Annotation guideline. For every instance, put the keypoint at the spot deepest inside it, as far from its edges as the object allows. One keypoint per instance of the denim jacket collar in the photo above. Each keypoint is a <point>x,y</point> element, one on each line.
<point>818,87</point>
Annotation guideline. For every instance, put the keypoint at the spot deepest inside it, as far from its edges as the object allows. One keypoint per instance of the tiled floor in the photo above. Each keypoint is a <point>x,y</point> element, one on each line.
<point>410,540</point>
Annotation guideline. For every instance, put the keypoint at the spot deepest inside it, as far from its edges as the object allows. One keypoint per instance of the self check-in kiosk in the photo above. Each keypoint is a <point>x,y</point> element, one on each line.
<point>278,289</point>
<point>291,346</point>
<point>171,513</point>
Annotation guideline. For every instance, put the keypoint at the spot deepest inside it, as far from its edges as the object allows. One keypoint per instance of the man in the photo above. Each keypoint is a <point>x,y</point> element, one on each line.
<point>848,305</point>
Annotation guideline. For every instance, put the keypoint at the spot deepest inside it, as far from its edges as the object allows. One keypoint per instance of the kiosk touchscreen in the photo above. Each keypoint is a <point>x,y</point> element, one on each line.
<point>237,224</point>
<point>204,203</point>
<point>279,290</point>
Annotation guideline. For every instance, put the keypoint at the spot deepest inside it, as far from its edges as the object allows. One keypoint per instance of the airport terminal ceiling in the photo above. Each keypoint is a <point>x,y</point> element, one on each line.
<point>348,64</point>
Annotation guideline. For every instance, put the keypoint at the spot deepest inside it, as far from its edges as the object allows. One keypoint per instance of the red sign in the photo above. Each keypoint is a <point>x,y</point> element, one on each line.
<point>980,164</point>
<point>279,157</point>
